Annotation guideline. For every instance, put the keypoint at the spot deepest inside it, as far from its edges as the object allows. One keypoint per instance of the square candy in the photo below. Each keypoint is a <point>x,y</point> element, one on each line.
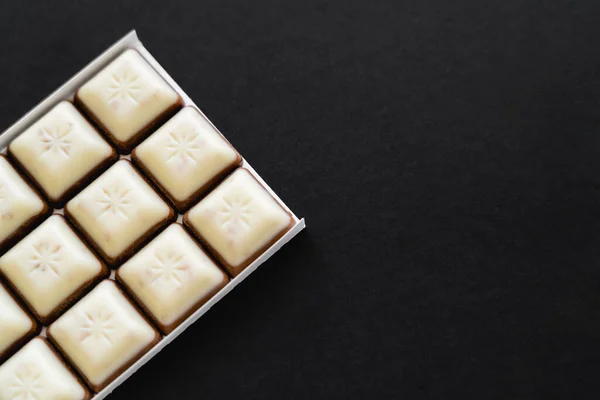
<point>20,206</point>
<point>37,373</point>
<point>171,277</point>
<point>103,334</point>
<point>185,157</point>
<point>50,268</point>
<point>238,220</point>
<point>119,211</point>
<point>127,98</point>
<point>16,326</point>
<point>61,151</point>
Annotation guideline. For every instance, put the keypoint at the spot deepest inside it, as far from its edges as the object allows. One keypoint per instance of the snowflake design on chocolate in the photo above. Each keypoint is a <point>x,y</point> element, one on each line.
<point>56,138</point>
<point>236,211</point>
<point>183,144</point>
<point>169,266</point>
<point>45,258</point>
<point>98,325</point>
<point>25,383</point>
<point>115,200</point>
<point>125,86</point>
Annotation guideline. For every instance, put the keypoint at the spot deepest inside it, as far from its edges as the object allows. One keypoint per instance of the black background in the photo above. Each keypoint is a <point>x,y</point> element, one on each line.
<point>446,156</point>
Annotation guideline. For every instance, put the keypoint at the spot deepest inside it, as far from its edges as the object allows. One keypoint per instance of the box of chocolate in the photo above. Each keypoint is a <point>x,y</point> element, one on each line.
<point>125,215</point>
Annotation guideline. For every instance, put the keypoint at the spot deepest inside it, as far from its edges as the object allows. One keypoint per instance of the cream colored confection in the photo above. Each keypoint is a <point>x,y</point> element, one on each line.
<point>14,322</point>
<point>127,95</point>
<point>185,154</point>
<point>118,208</point>
<point>102,333</point>
<point>60,149</point>
<point>49,265</point>
<point>171,274</point>
<point>18,202</point>
<point>238,218</point>
<point>36,373</point>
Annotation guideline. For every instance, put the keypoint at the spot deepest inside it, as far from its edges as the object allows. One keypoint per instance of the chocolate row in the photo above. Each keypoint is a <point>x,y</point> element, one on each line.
<point>113,213</point>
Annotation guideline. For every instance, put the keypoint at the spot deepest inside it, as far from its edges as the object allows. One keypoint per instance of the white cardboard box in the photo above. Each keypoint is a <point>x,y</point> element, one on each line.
<point>66,92</point>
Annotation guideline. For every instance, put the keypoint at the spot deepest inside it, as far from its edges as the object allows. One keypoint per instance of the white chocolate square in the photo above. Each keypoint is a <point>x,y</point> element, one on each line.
<point>127,95</point>
<point>185,154</point>
<point>49,265</point>
<point>60,149</point>
<point>118,208</point>
<point>171,275</point>
<point>18,202</point>
<point>36,373</point>
<point>102,333</point>
<point>14,322</point>
<point>238,218</point>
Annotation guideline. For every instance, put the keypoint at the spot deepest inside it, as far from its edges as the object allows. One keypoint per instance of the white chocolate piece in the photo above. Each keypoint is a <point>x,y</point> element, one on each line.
<point>102,333</point>
<point>118,208</point>
<point>127,95</point>
<point>238,218</point>
<point>185,154</point>
<point>49,265</point>
<point>60,149</point>
<point>171,275</point>
<point>36,373</point>
<point>18,202</point>
<point>14,321</point>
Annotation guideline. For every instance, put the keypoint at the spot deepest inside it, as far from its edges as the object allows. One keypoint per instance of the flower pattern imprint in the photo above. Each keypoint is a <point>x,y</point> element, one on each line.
<point>45,258</point>
<point>169,266</point>
<point>125,88</point>
<point>98,325</point>
<point>115,200</point>
<point>183,145</point>
<point>236,211</point>
<point>56,138</point>
<point>25,383</point>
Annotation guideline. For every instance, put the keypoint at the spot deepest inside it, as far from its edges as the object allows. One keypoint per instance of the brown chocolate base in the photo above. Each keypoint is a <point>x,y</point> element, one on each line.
<point>183,206</point>
<point>235,270</point>
<point>17,344</point>
<point>150,234</point>
<point>71,299</point>
<point>166,329</point>
<point>73,190</point>
<point>116,374</point>
<point>29,225</point>
<point>138,137</point>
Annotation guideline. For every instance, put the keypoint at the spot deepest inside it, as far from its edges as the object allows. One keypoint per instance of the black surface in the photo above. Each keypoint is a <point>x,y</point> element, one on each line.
<point>446,155</point>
